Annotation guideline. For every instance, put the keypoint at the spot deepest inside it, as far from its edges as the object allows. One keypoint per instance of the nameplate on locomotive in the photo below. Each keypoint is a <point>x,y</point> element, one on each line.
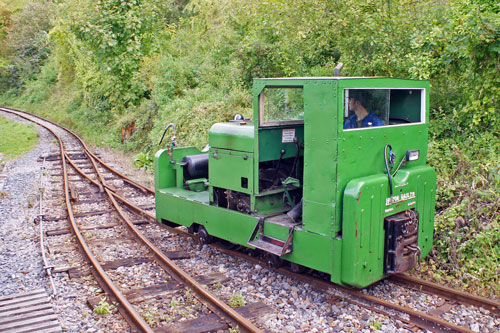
<point>398,198</point>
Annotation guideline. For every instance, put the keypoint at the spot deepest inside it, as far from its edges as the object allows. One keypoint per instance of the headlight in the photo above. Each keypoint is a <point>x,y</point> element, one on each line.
<point>412,155</point>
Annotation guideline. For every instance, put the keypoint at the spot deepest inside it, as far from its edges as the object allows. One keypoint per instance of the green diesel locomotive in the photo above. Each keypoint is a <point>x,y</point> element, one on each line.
<point>330,175</point>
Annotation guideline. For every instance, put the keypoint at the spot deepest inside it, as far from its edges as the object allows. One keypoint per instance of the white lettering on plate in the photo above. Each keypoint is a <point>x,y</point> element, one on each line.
<point>287,135</point>
<point>398,198</point>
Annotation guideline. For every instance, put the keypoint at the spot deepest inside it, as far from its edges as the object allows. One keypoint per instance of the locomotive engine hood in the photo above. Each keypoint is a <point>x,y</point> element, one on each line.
<point>237,136</point>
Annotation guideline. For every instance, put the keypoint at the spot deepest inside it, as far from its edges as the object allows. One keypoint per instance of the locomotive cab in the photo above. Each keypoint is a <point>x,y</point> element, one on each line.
<point>329,175</point>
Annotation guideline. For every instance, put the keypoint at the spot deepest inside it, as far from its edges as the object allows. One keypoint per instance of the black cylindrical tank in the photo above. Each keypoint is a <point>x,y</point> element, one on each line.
<point>196,166</point>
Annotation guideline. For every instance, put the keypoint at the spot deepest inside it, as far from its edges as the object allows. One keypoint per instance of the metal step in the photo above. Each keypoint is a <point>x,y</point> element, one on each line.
<point>270,244</point>
<point>269,247</point>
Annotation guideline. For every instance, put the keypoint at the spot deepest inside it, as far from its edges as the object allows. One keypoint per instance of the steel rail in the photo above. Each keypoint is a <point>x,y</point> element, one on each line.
<point>48,269</point>
<point>134,315</point>
<point>420,319</point>
<point>446,292</point>
<point>129,180</point>
<point>205,296</point>
<point>214,303</point>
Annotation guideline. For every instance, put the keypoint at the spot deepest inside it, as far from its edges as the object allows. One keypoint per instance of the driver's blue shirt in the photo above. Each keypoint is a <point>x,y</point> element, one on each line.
<point>369,121</point>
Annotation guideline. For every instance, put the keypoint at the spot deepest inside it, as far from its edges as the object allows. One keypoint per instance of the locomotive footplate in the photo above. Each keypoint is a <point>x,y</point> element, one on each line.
<point>401,242</point>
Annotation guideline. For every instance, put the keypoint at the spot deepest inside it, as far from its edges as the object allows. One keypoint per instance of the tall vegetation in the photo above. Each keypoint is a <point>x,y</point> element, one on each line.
<point>104,64</point>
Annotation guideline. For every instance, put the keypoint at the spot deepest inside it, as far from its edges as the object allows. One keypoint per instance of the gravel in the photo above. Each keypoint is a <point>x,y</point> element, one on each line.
<point>20,258</point>
<point>21,265</point>
<point>296,307</point>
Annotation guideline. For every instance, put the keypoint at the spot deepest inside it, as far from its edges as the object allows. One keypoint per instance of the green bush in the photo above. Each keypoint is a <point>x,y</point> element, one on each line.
<point>96,66</point>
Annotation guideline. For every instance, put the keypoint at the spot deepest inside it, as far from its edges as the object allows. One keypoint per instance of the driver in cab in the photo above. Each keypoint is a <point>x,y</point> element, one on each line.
<point>361,116</point>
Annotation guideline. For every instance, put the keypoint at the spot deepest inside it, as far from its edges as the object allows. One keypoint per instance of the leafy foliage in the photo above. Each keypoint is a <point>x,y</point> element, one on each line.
<point>467,224</point>
<point>144,161</point>
<point>101,64</point>
<point>28,39</point>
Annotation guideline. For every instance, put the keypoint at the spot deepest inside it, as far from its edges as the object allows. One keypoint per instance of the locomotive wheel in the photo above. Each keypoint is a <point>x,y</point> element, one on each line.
<point>192,229</point>
<point>205,237</point>
<point>296,268</point>
<point>272,260</point>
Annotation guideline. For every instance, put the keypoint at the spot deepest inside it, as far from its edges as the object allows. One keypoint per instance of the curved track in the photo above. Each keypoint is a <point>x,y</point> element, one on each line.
<point>69,140</point>
<point>404,314</point>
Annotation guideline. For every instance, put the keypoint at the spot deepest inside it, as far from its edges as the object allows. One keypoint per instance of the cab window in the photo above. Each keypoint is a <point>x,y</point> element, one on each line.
<point>365,108</point>
<point>281,106</point>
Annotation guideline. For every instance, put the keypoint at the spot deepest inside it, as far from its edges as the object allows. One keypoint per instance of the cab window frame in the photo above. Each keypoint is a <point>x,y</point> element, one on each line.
<point>262,101</point>
<point>422,113</point>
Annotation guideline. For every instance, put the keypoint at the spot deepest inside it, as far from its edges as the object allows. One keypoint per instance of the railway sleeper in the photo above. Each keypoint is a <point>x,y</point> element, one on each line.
<point>257,312</point>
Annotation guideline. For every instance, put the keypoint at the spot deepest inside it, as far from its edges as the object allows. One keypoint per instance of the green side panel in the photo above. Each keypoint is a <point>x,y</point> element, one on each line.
<point>363,231</point>
<point>320,157</point>
<point>366,204</point>
<point>309,249</point>
<point>426,203</point>
<point>226,168</point>
<point>232,136</point>
<point>186,207</point>
<point>270,143</point>
<point>320,212</point>
<point>201,197</point>
<point>336,263</point>
<point>164,169</point>
<point>270,203</point>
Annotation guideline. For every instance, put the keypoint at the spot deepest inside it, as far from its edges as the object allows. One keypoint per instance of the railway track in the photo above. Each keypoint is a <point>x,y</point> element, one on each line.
<point>431,320</point>
<point>84,178</point>
<point>434,320</point>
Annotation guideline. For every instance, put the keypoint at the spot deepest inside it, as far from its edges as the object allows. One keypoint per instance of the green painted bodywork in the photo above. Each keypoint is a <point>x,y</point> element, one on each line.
<point>345,186</point>
<point>232,136</point>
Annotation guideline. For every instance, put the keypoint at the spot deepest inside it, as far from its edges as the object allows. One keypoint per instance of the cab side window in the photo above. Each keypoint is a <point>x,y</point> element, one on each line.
<point>281,106</point>
<point>366,108</point>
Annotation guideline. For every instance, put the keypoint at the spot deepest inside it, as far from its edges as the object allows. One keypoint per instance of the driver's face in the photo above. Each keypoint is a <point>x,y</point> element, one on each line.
<point>352,104</point>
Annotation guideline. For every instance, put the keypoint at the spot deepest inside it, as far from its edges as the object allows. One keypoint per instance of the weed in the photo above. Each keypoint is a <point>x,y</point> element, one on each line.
<point>149,316</point>
<point>234,330</point>
<point>165,318</point>
<point>144,161</point>
<point>376,325</point>
<point>103,307</point>
<point>188,297</point>
<point>174,303</point>
<point>236,301</point>
<point>96,290</point>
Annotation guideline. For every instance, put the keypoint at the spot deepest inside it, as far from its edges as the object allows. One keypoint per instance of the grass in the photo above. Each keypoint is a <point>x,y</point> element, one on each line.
<point>14,4</point>
<point>16,139</point>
